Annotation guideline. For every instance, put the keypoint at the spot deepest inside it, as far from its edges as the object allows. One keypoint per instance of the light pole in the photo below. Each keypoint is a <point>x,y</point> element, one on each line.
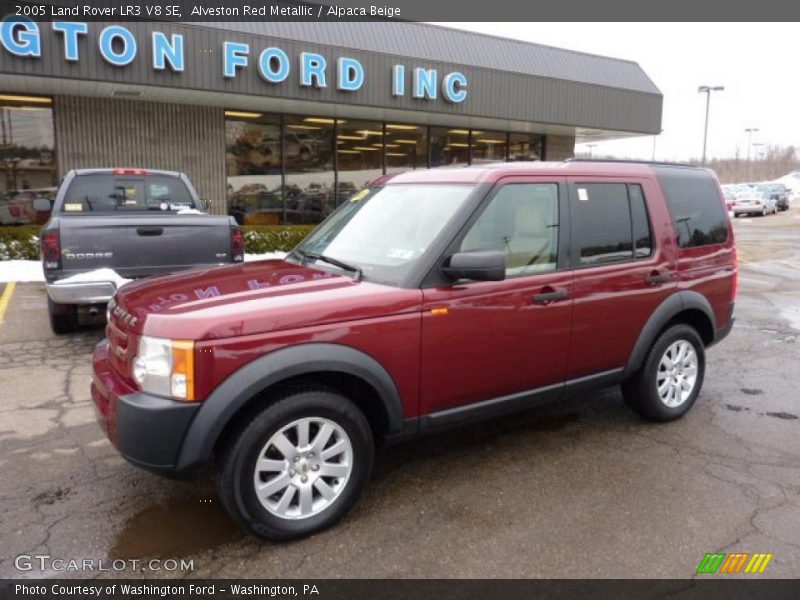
<point>758,146</point>
<point>590,146</point>
<point>707,89</point>
<point>655,137</point>
<point>750,131</point>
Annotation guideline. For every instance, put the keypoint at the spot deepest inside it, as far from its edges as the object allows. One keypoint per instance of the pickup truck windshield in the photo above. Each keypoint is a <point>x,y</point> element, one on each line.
<point>384,232</point>
<point>111,193</point>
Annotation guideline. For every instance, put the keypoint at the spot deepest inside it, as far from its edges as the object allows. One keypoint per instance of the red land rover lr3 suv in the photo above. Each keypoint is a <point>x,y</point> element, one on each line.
<point>437,298</point>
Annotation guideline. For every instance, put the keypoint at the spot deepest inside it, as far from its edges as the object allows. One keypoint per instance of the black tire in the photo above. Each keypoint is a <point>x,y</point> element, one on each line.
<point>63,317</point>
<point>242,449</point>
<point>641,390</point>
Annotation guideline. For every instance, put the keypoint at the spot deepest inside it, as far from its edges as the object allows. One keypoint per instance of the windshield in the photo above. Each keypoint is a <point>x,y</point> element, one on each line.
<point>385,231</point>
<point>111,193</point>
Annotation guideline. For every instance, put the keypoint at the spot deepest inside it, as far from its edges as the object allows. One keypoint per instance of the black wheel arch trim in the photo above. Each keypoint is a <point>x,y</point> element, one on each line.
<point>671,306</point>
<point>253,378</point>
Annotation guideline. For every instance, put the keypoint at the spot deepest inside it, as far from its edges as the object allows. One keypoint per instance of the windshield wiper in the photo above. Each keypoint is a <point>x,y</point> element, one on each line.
<point>356,271</point>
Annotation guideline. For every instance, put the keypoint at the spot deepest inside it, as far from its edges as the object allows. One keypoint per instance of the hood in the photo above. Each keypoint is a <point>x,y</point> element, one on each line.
<point>252,298</point>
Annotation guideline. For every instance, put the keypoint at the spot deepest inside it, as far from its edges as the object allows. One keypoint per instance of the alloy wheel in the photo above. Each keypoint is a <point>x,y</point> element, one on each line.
<point>677,373</point>
<point>303,468</point>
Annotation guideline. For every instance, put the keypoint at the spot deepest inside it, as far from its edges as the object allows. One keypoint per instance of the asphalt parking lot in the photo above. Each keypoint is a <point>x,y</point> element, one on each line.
<point>580,489</point>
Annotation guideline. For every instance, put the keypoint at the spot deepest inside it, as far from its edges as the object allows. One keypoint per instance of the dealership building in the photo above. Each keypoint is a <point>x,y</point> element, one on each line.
<point>279,122</point>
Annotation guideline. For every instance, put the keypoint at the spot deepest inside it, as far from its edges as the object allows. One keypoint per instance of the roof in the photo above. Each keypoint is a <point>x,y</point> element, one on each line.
<point>494,171</point>
<point>436,43</point>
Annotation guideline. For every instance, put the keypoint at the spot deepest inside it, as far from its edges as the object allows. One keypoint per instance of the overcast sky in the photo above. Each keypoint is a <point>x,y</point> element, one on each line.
<point>756,62</point>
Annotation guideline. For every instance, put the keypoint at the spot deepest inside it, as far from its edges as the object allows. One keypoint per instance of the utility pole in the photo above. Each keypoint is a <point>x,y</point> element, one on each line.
<point>707,89</point>
<point>750,131</point>
<point>590,146</point>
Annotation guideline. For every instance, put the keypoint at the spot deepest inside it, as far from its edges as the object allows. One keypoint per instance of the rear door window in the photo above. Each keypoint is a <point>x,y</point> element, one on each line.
<point>698,214</point>
<point>111,193</point>
<point>610,223</point>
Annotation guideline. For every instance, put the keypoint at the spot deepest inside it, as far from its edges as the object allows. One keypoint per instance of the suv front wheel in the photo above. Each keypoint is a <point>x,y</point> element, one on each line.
<point>297,466</point>
<point>668,383</point>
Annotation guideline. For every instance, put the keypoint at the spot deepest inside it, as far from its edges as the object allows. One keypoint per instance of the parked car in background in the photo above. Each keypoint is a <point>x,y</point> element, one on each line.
<point>427,300</point>
<point>729,192</point>
<point>753,202</point>
<point>109,225</point>
<point>777,192</point>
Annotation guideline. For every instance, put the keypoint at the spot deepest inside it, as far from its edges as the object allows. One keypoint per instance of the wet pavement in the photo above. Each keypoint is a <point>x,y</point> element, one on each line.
<point>579,489</point>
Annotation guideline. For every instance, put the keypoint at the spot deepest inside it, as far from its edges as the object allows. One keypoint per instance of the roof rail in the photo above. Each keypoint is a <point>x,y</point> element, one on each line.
<point>633,162</point>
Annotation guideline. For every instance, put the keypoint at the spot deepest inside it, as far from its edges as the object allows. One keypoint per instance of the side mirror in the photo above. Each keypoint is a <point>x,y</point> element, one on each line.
<point>41,204</point>
<point>485,265</point>
<point>203,205</point>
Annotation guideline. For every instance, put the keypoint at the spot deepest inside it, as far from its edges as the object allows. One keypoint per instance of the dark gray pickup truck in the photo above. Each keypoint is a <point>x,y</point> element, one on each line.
<point>110,225</point>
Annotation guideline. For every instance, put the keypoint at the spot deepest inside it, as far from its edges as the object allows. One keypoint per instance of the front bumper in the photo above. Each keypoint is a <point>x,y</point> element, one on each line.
<point>147,430</point>
<point>87,292</point>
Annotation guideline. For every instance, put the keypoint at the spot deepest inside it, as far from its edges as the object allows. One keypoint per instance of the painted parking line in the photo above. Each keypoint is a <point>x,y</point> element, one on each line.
<point>5,299</point>
<point>788,264</point>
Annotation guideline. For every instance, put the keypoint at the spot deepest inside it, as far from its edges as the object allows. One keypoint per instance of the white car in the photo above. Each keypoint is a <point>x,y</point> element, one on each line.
<point>753,202</point>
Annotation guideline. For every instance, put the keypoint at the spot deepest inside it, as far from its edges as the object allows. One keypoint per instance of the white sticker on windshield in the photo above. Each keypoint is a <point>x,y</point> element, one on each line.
<point>400,253</point>
<point>583,195</point>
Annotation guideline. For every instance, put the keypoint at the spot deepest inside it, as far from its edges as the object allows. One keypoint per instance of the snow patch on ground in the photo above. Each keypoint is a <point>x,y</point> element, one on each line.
<point>22,271</point>
<point>265,256</point>
<point>25,271</point>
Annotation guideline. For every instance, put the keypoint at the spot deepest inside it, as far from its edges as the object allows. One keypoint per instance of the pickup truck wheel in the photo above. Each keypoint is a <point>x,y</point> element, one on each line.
<point>668,383</point>
<point>63,317</point>
<point>297,466</point>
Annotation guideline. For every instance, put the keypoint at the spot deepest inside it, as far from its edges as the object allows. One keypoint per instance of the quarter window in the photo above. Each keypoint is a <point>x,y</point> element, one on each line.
<point>698,214</point>
<point>522,222</point>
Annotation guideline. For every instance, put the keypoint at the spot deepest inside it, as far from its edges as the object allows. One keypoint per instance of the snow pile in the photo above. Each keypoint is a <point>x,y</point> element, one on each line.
<point>21,270</point>
<point>96,275</point>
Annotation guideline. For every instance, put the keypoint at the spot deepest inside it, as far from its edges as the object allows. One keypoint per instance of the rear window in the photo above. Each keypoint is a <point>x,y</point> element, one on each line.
<point>697,211</point>
<point>110,193</point>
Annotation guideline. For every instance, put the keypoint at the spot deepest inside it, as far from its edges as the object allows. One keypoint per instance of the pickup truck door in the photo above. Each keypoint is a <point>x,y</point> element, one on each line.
<point>485,340</point>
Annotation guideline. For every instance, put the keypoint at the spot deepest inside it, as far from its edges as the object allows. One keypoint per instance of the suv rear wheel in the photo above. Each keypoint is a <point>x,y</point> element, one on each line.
<point>298,465</point>
<point>668,383</point>
<point>63,317</point>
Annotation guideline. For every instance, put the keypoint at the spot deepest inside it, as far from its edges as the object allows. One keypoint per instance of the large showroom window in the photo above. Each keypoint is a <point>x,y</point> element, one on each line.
<point>406,147</point>
<point>359,155</point>
<point>449,147</point>
<point>525,146</point>
<point>489,146</point>
<point>27,166</point>
<point>310,175</point>
<point>293,169</point>
<point>254,165</point>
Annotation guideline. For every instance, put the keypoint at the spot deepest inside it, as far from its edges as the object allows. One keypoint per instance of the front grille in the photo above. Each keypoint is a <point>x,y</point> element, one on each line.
<point>122,347</point>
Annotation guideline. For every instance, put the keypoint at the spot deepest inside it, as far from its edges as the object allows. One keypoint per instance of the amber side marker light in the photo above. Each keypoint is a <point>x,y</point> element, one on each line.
<point>439,311</point>
<point>183,370</point>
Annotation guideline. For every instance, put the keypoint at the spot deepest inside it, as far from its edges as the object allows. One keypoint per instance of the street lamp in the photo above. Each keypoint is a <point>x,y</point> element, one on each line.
<point>707,89</point>
<point>750,131</point>
<point>655,137</point>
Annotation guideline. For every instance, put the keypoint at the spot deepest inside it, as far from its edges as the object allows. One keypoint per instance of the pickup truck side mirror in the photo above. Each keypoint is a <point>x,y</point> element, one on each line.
<point>485,265</point>
<point>203,205</point>
<point>42,204</point>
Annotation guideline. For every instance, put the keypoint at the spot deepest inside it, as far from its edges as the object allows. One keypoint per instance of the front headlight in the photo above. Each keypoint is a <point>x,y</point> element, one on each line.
<point>165,367</point>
